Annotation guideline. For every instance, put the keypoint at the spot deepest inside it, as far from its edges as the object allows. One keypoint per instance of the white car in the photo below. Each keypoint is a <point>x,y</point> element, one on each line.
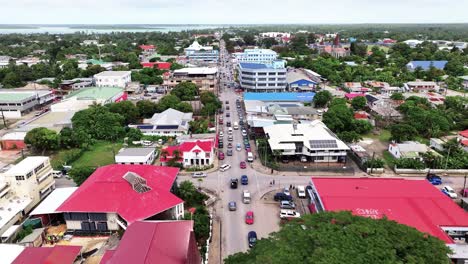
<point>286,191</point>
<point>289,214</point>
<point>224,167</point>
<point>244,133</point>
<point>199,175</point>
<point>450,192</point>
<point>221,134</point>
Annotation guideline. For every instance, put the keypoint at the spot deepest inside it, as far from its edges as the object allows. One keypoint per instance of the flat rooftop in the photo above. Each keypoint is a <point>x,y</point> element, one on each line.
<point>50,204</point>
<point>112,73</point>
<point>12,207</point>
<point>12,96</point>
<point>135,151</point>
<point>294,97</point>
<point>103,93</point>
<point>26,165</point>
<point>415,203</point>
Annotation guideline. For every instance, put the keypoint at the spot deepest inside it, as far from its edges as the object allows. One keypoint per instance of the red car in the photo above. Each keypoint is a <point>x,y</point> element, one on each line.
<point>221,155</point>
<point>243,165</point>
<point>249,218</point>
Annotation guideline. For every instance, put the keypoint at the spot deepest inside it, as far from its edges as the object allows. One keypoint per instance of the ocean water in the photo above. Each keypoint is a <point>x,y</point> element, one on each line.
<point>100,29</point>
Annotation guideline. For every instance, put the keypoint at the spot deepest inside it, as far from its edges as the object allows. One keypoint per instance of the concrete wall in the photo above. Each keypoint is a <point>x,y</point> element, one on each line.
<point>425,171</point>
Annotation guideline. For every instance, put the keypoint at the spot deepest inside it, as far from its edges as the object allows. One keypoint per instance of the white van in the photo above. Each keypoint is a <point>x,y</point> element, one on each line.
<point>230,130</point>
<point>250,157</point>
<point>236,125</point>
<point>224,167</point>
<point>301,191</point>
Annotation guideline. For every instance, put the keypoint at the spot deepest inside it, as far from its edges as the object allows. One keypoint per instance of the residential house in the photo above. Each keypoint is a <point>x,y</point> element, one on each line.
<point>312,140</point>
<point>113,78</point>
<point>148,49</point>
<point>115,196</point>
<point>5,61</point>
<point>204,77</point>
<point>168,123</point>
<point>136,156</point>
<point>257,77</point>
<point>355,87</point>
<point>14,103</point>
<point>426,65</point>
<point>465,81</point>
<point>22,187</point>
<point>147,242</point>
<point>196,52</point>
<point>421,86</point>
<point>412,42</point>
<point>28,61</point>
<point>463,139</point>
<point>437,144</point>
<point>383,107</point>
<point>297,80</point>
<point>194,153</point>
<point>407,149</point>
<point>13,140</point>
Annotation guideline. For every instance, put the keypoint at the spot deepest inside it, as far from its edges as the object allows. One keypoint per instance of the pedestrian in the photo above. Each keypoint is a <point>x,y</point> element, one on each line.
<point>290,186</point>
<point>273,182</point>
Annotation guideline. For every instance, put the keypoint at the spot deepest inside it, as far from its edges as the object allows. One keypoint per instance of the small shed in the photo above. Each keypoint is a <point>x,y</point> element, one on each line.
<point>34,239</point>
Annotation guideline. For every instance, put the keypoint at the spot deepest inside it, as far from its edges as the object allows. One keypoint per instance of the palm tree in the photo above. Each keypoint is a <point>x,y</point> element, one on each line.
<point>176,155</point>
<point>276,153</point>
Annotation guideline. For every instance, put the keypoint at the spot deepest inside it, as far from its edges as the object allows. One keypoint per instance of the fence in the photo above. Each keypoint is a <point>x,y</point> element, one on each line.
<point>460,172</point>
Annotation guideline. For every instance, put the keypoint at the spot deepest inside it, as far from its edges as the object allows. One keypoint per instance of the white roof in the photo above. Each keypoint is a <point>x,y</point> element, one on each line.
<point>10,231</point>
<point>9,252</point>
<point>196,46</point>
<point>50,204</point>
<point>14,136</point>
<point>113,74</point>
<point>170,117</point>
<point>26,165</point>
<point>421,83</point>
<point>197,70</point>
<point>12,207</point>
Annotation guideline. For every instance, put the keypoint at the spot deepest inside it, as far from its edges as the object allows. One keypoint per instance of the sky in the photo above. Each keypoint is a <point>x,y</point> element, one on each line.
<point>231,11</point>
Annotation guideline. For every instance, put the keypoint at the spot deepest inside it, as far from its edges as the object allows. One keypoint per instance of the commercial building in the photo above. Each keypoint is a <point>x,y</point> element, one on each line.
<point>14,103</point>
<point>196,52</point>
<point>298,81</point>
<point>168,123</point>
<point>196,153</point>
<point>113,78</point>
<point>21,188</point>
<point>256,55</point>
<point>46,211</point>
<point>204,77</point>
<point>136,156</point>
<point>115,196</point>
<point>147,242</point>
<point>257,77</point>
<point>82,99</point>
<point>415,203</point>
<point>280,97</point>
<point>426,65</point>
<point>312,140</point>
<point>421,86</point>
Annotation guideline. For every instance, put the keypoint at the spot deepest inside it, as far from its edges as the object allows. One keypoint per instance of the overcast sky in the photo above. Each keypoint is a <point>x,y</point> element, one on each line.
<point>231,11</point>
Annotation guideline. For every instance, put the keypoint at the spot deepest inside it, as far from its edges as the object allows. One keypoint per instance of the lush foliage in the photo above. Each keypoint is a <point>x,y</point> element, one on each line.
<point>42,139</point>
<point>322,98</point>
<point>185,91</point>
<point>340,237</point>
<point>99,122</point>
<point>79,174</point>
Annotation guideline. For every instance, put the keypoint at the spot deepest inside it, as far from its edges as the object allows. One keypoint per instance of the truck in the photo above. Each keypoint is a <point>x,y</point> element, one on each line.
<point>246,197</point>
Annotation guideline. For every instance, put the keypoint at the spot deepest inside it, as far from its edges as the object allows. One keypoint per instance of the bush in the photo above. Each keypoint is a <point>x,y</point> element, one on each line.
<point>406,163</point>
<point>200,168</point>
<point>375,163</point>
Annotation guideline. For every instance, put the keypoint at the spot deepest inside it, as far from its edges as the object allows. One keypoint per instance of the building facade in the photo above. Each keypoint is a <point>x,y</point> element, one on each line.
<point>136,156</point>
<point>256,55</point>
<point>197,153</point>
<point>205,78</point>
<point>257,77</point>
<point>16,103</point>
<point>168,123</point>
<point>196,52</point>
<point>113,78</point>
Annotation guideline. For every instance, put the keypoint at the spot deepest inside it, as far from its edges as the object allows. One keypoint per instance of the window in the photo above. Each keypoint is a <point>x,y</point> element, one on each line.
<point>19,178</point>
<point>319,158</point>
<point>29,175</point>
<point>38,168</point>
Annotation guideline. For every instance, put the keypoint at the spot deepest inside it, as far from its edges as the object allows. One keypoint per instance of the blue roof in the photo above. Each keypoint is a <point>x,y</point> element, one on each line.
<point>302,82</point>
<point>425,65</point>
<point>248,65</point>
<point>294,97</point>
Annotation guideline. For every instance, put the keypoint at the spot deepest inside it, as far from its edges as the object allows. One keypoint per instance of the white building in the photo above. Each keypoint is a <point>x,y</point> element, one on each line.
<point>89,42</point>
<point>275,35</point>
<point>168,123</point>
<point>22,187</point>
<point>257,77</point>
<point>194,153</point>
<point>256,56</point>
<point>136,156</point>
<point>407,149</point>
<point>197,52</point>
<point>312,140</point>
<point>113,78</point>
<point>5,61</point>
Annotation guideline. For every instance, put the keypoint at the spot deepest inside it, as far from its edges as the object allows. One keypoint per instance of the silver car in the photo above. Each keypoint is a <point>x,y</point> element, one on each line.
<point>287,205</point>
<point>199,175</point>
<point>232,206</point>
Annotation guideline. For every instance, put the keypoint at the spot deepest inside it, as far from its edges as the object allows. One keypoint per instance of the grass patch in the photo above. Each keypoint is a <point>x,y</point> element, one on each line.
<point>422,140</point>
<point>389,159</point>
<point>382,135</point>
<point>100,154</point>
<point>385,49</point>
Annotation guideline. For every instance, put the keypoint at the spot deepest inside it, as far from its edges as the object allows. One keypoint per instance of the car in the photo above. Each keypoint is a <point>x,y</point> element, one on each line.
<point>287,205</point>
<point>228,124</point>
<point>221,121</point>
<point>434,179</point>
<point>303,159</point>
<point>244,180</point>
<point>282,197</point>
<point>289,214</point>
<point>228,114</point>
<point>57,174</point>
<point>199,175</point>
<point>220,145</point>
<point>221,155</point>
<point>230,138</point>
<point>285,160</point>
<point>247,149</point>
<point>227,108</point>
<point>249,218</point>
<point>301,193</point>
<point>243,165</point>
<point>229,152</point>
<point>241,122</point>
<point>450,192</point>
<point>232,206</point>
<point>244,133</point>
<point>224,167</point>
<point>221,134</point>
<point>229,145</point>
<point>234,183</point>
<point>238,147</point>
<point>227,102</point>
<point>286,191</point>
<point>252,238</point>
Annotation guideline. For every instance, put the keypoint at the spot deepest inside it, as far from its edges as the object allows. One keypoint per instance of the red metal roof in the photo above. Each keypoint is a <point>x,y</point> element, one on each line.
<point>463,133</point>
<point>48,255</point>
<point>147,47</point>
<point>360,116</point>
<point>188,146</point>
<point>159,65</point>
<point>415,203</point>
<point>465,142</point>
<point>107,191</point>
<point>353,95</point>
<point>168,242</point>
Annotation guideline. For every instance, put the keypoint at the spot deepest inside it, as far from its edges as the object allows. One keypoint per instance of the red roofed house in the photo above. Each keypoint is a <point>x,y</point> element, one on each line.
<point>361,116</point>
<point>192,153</point>
<point>160,65</point>
<point>117,195</point>
<point>48,255</point>
<point>415,203</point>
<point>148,48</point>
<point>350,96</point>
<point>148,242</point>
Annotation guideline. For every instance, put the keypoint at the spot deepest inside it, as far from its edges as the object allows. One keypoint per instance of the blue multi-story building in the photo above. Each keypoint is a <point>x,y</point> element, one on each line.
<point>262,77</point>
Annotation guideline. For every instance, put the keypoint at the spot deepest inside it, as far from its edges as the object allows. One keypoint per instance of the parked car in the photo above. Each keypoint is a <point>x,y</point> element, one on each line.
<point>57,174</point>
<point>450,192</point>
<point>282,197</point>
<point>243,165</point>
<point>289,214</point>
<point>301,191</point>
<point>286,191</point>
<point>287,205</point>
<point>229,152</point>
<point>224,167</point>
<point>244,133</point>
<point>227,102</point>
<point>228,114</point>
<point>227,108</point>
<point>221,134</point>
<point>252,238</point>
<point>249,218</point>
<point>244,180</point>
<point>234,183</point>
<point>221,155</point>
<point>232,206</point>
<point>199,175</point>
<point>238,147</point>
<point>230,138</point>
<point>434,179</point>
<point>228,124</point>
<point>303,159</point>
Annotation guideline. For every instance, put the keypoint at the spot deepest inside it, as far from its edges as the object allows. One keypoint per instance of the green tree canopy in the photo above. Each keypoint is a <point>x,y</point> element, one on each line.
<point>359,102</point>
<point>397,96</point>
<point>80,174</point>
<point>42,139</point>
<point>403,132</point>
<point>322,98</point>
<point>126,109</point>
<point>99,122</point>
<point>146,108</point>
<point>340,237</point>
<point>185,91</point>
